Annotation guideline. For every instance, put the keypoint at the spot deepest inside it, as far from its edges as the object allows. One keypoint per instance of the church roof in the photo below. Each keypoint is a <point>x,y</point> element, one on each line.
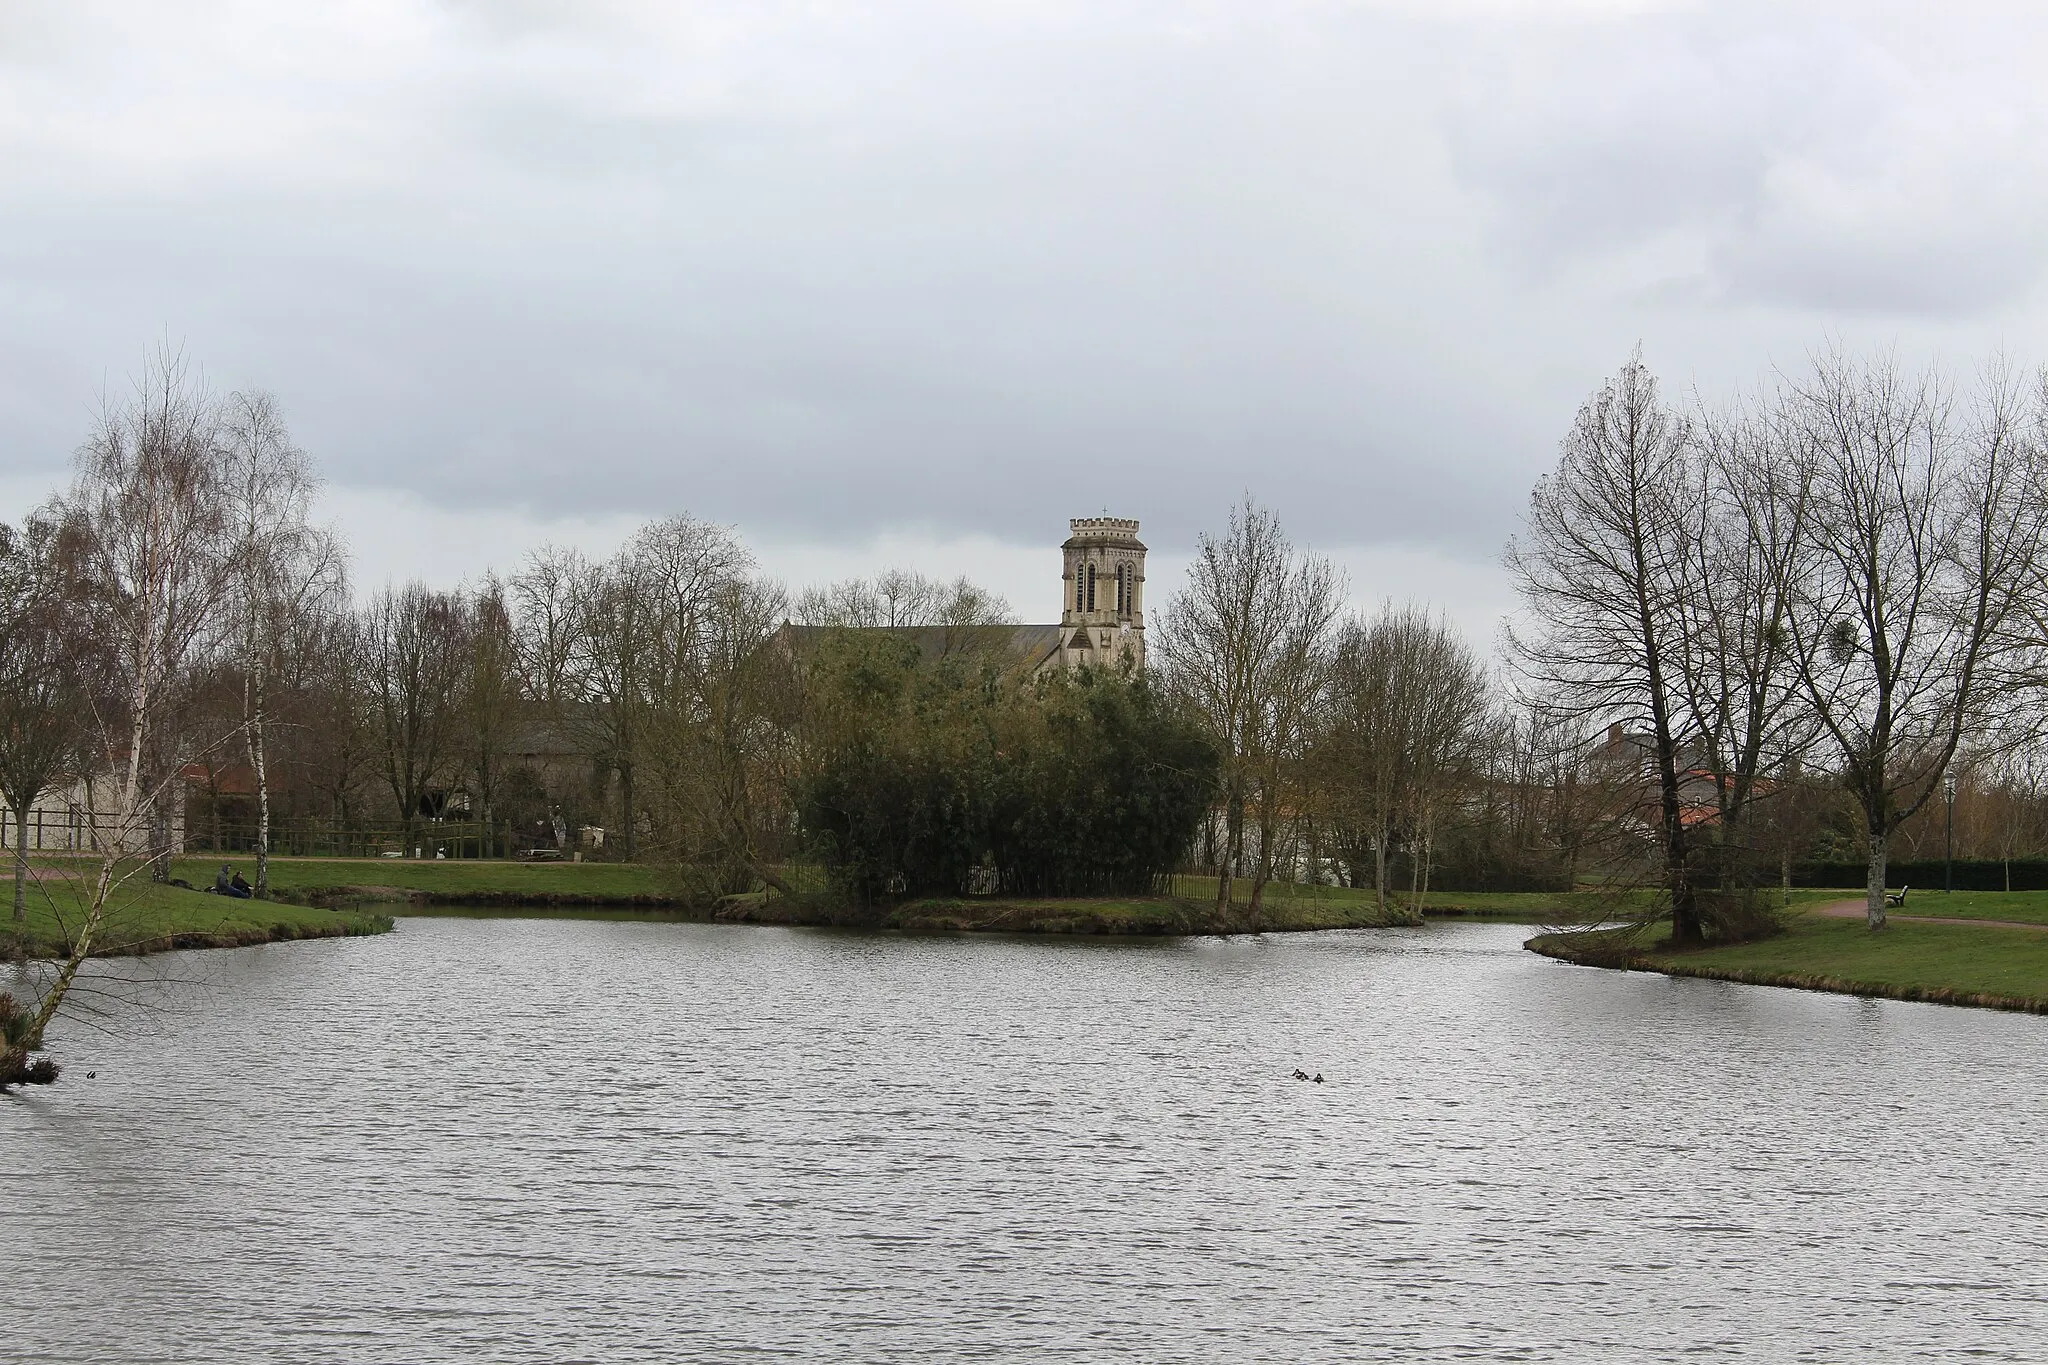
<point>1034,644</point>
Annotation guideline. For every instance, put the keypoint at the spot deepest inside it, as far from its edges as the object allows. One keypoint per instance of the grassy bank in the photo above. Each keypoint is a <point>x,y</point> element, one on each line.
<point>628,885</point>
<point>1586,906</point>
<point>1138,915</point>
<point>143,917</point>
<point>330,895</point>
<point>338,895</point>
<point>634,886</point>
<point>2020,907</point>
<point>427,881</point>
<point>1959,964</point>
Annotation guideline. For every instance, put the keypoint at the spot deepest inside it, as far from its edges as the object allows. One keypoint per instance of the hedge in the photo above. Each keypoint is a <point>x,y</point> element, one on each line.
<point>1971,874</point>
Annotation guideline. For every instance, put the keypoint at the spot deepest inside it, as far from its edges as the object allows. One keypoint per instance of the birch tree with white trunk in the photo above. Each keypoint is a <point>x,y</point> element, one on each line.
<point>155,536</point>
<point>284,569</point>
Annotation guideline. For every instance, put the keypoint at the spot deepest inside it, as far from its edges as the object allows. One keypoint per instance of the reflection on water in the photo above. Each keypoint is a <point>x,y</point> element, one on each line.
<point>549,1141</point>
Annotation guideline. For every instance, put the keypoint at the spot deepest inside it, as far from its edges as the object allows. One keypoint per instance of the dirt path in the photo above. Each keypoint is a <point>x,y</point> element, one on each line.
<point>1857,910</point>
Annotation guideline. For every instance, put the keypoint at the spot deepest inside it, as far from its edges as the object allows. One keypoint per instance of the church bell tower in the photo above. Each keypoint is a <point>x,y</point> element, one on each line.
<point>1103,620</point>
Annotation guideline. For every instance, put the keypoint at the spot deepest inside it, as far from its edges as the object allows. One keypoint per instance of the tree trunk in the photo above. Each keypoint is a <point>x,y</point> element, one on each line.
<point>160,832</point>
<point>21,864</point>
<point>1379,869</point>
<point>1262,872</point>
<point>1233,848</point>
<point>255,693</point>
<point>769,878</point>
<point>103,885</point>
<point>81,949</point>
<point>1428,861</point>
<point>1874,904</point>
<point>626,811</point>
<point>1414,862</point>
<point>1269,839</point>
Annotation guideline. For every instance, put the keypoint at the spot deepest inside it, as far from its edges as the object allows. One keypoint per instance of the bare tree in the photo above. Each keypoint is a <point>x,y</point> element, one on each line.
<point>1926,537</point>
<point>964,616</point>
<point>1447,703</point>
<point>1734,651</point>
<point>414,655</point>
<point>1408,701</point>
<point>545,600</point>
<point>639,620</point>
<point>490,696</point>
<point>152,518</point>
<point>1607,568</point>
<point>340,739</point>
<point>284,569</point>
<point>2020,776</point>
<point>45,677</point>
<point>719,744</point>
<point>1248,643</point>
<point>1566,801</point>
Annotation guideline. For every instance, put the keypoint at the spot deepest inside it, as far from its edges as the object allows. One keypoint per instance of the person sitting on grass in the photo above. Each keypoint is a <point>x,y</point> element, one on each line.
<point>230,883</point>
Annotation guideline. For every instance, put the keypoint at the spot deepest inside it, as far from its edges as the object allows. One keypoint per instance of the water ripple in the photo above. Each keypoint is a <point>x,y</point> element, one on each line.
<point>530,1140</point>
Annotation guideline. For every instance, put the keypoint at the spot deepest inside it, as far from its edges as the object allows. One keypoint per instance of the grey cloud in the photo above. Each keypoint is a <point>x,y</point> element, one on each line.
<point>1790,160</point>
<point>979,270</point>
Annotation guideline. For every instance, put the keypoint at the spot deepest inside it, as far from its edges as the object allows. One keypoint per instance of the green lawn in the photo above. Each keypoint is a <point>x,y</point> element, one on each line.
<point>2021,907</point>
<point>1583,906</point>
<point>1961,963</point>
<point>143,916</point>
<point>297,877</point>
<point>1147,915</point>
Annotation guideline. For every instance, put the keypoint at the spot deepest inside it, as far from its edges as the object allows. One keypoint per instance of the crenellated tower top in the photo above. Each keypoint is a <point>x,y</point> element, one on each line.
<point>1105,528</point>
<point>1103,590</point>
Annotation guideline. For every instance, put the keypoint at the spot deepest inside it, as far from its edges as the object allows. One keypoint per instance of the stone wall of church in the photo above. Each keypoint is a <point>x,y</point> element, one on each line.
<point>1102,618</point>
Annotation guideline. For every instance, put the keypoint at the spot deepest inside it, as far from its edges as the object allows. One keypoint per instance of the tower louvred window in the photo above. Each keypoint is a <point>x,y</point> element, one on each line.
<point>1091,589</point>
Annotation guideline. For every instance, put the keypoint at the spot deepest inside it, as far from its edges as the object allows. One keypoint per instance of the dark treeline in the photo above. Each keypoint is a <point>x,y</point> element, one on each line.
<point>938,776</point>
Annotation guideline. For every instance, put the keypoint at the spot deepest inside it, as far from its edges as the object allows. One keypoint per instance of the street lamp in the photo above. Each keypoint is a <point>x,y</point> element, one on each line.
<point>1948,866</point>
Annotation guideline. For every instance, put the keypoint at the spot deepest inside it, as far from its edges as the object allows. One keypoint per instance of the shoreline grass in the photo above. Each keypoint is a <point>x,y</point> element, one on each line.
<point>1987,966</point>
<point>311,880</point>
<point>319,896</point>
<point>1129,916</point>
<point>1587,905</point>
<point>145,917</point>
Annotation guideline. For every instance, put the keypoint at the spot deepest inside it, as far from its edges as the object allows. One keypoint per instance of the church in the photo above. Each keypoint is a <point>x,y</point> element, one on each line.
<point>1102,612</point>
<point>1102,585</point>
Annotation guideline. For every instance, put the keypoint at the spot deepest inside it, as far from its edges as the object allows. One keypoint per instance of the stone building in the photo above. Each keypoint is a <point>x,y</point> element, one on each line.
<point>1102,619</point>
<point>1102,612</point>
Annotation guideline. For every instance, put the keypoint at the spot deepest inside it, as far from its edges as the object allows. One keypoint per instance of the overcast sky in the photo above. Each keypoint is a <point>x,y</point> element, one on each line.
<point>916,282</point>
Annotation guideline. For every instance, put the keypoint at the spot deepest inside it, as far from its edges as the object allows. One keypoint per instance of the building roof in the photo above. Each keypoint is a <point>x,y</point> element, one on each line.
<point>1033,644</point>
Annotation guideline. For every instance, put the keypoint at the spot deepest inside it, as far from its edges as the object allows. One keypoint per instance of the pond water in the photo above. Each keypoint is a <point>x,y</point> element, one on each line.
<point>550,1140</point>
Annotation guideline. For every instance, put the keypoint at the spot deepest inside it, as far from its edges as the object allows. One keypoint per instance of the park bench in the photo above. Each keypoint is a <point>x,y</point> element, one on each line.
<point>542,855</point>
<point>1897,898</point>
